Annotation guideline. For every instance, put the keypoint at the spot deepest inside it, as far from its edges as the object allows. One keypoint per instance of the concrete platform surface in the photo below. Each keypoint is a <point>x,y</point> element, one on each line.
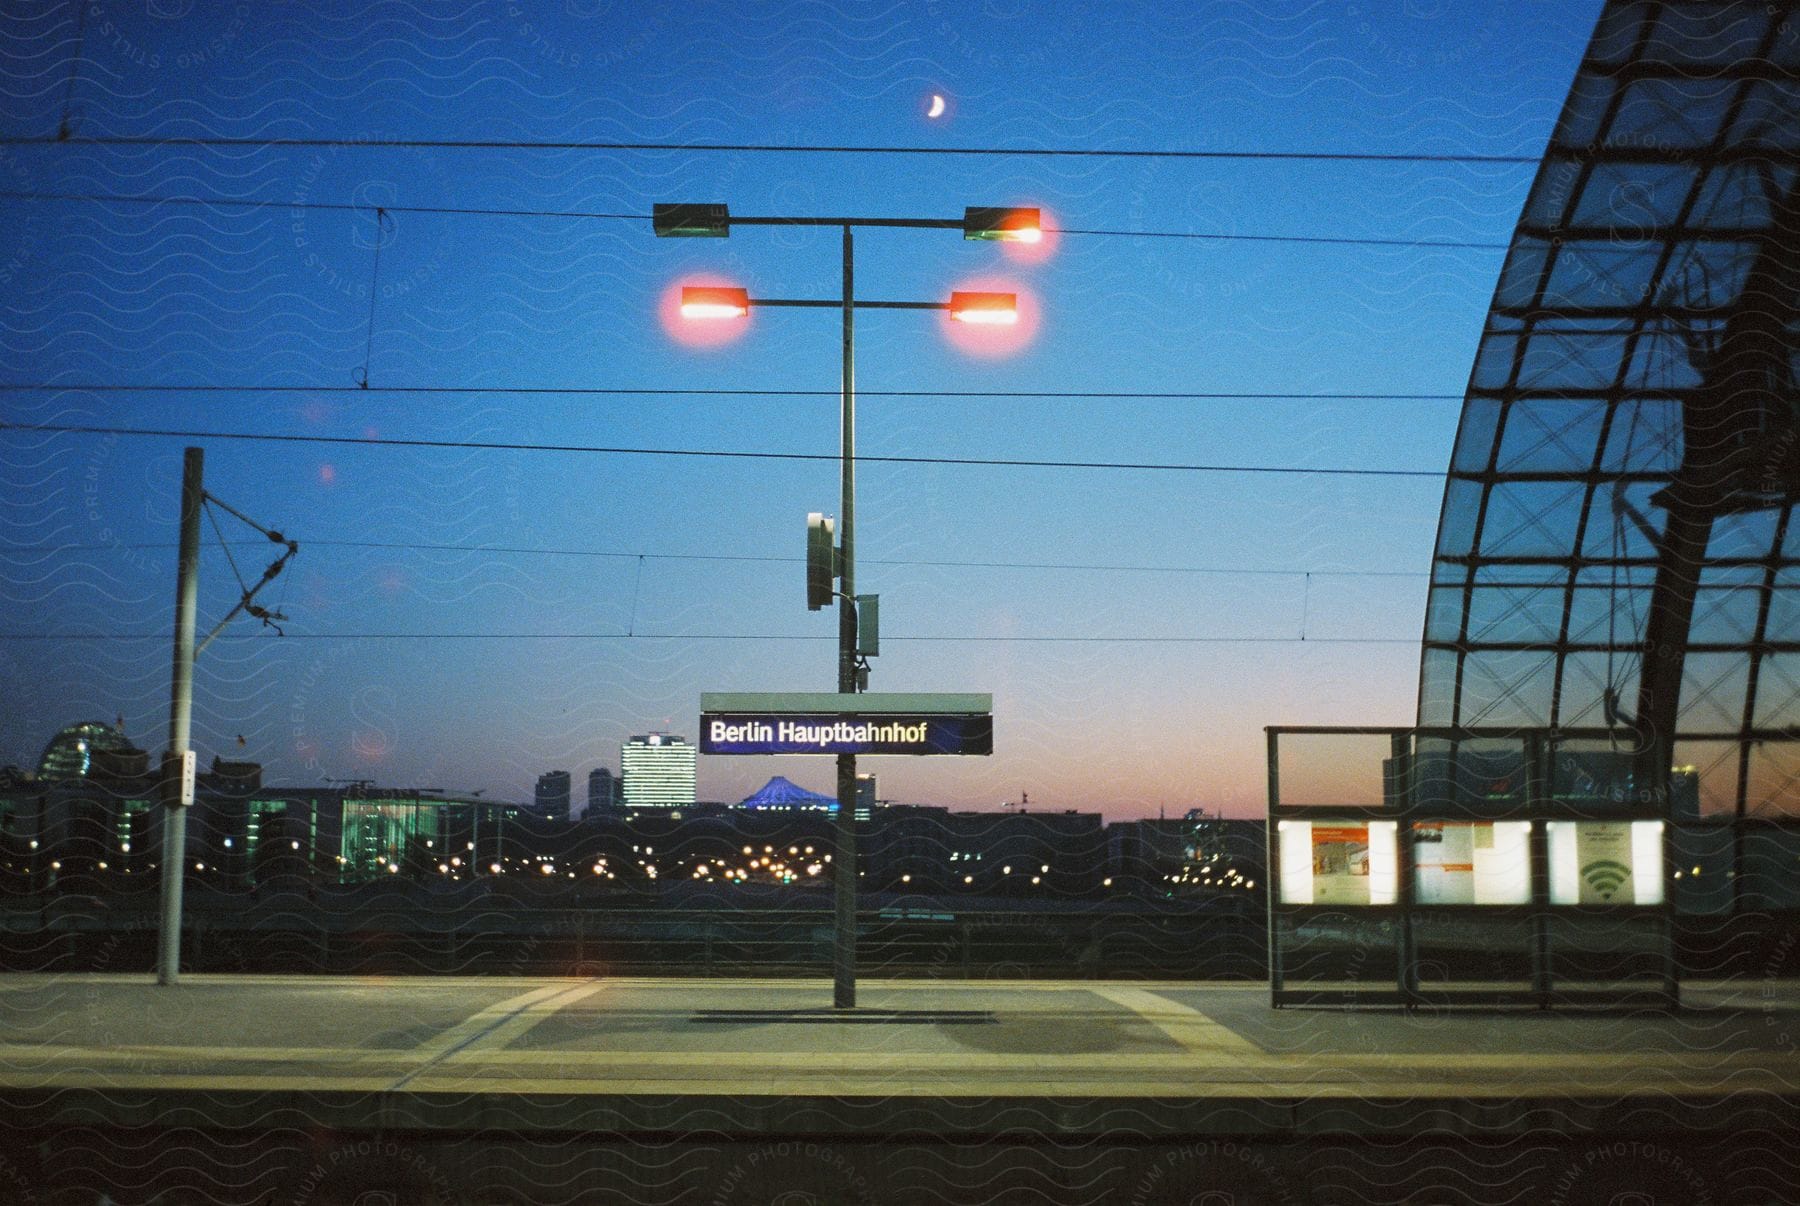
<point>769,1055</point>
<point>376,1091</point>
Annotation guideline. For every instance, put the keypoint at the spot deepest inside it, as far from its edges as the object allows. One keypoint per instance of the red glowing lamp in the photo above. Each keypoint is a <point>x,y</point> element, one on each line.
<point>714,301</point>
<point>995,309</point>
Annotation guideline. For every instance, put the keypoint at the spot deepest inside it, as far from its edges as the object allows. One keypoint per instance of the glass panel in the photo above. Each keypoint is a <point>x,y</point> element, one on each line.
<point>1784,606</point>
<point>1603,274</point>
<point>1549,435</point>
<point>1437,688</point>
<point>1590,774</point>
<point>1523,275</point>
<point>1531,518</point>
<point>1494,362</point>
<point>1670,113</point>
<point>1550,571</point>
<point>1708,273</point>
<point>1514,614</point>
<point>1635,197</point>
<point>1770,857</point>
<point>1586,679</point>
<point>1738,195</point>
<point>1774,789</point>
<point>1645,437</point>
<point>1325,770</point>
<point>1475,436</point>
<point>1444,613</point>
<point>1468,775</point>
<point>1662,359</point>
<point>1548,203</point>
<point>1771,116</point>
<point>1613,532</point>
<point>1462,505</point>
<point>1506,688</point>
<point>1702,874</point>
<point>1616,36</point>
<point>1738,576</point>
<point>1585,110</point>
<point>1716,34</point>
<point>1712,692</point>
<point>1744,534</point>
<point>1778,690</point>
<point>1725,616</point>
<point>1603,615</point>
<point>1703,778</point>
<point>1572,360</point>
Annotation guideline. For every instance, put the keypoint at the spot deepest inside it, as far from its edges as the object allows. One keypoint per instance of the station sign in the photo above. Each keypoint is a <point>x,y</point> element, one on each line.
<point>830,723</point>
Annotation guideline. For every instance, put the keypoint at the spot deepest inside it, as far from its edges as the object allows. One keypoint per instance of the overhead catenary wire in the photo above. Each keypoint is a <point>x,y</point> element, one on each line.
<point>712,453</point>
<point>644,391</point>
<point>1009,639</point>
<point>624,555</point>
<point>227,142</point>
<point>248,203</point>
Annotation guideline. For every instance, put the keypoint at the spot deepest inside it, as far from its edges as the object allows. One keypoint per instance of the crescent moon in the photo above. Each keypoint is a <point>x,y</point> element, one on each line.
<point>937,106</point>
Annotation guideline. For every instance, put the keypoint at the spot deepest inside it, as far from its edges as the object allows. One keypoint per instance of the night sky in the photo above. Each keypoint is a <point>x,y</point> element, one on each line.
<point>466,618</point>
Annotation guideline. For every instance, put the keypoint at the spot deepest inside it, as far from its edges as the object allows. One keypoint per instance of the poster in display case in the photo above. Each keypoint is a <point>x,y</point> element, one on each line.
<point>1349,862</point>
<point>1472,862</point>
<point>1606,862</point>
<point>1340,864</point>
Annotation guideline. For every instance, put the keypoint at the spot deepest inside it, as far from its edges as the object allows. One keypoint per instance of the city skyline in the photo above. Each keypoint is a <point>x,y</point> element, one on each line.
<point>471,614</point>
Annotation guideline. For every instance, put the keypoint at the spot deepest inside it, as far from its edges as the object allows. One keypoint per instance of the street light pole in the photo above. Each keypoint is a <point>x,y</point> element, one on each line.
<point>843,992</point>
<point>1019,225</point>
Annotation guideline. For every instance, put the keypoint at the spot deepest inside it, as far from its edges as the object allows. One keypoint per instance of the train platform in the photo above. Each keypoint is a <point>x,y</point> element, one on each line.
<point>1117,1078</point>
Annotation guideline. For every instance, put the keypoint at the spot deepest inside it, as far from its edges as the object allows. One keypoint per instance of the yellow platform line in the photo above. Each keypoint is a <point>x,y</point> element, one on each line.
<point>481,1021</point>
<point>1186,1025</point>
<point>533,1015</point>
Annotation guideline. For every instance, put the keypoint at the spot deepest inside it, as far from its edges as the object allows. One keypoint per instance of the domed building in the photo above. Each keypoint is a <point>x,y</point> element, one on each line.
<point>780,794</point>
<point>91,749</point>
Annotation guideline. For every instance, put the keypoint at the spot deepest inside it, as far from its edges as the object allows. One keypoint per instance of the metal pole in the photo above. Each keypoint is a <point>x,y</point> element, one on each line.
<point>844,946</point>
<point>181,707</point>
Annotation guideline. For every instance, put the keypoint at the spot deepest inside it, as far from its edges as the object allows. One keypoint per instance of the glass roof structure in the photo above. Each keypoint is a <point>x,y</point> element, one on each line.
<point>1617,547</point>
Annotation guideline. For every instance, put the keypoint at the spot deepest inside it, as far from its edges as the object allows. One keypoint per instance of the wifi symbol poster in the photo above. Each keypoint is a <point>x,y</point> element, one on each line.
<point>1603,854</point>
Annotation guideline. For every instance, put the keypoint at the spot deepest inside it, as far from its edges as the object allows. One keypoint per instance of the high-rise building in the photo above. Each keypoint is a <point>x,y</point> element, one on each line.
<point>603,790</point>
<point>553,795</point>
<point>658,770</point>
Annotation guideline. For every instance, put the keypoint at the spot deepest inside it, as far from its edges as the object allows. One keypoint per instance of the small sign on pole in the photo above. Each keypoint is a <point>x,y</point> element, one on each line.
<point>178,780</point>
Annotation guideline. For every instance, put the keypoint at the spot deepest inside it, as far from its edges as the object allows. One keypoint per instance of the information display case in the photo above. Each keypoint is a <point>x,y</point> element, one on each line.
<point>1424,867</point>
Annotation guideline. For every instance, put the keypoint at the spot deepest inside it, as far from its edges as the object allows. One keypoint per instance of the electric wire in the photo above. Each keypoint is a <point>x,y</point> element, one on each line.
<point>526,550</point>
<point>714,453</point>
<point>472,211</point>
<point>637,391</point>
<point>1011,639</point>
<point>492,144</point>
